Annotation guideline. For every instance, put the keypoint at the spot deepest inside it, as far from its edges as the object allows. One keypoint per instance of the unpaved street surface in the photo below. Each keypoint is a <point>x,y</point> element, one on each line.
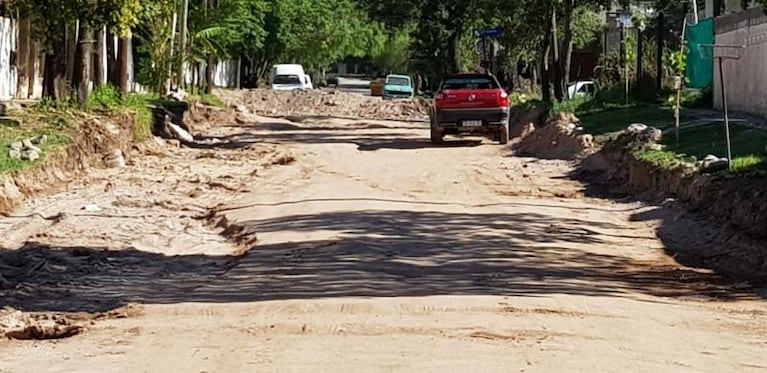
<point>369,250</point>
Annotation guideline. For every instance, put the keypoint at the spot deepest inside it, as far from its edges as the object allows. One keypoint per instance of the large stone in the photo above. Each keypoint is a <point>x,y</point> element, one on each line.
<point>115,160</point>
<point>17,146</point>
<point>637,128</point>
<point>655,135</point>
<point>14,154</point>
<point>28,145</point>
<point>712,163</point>
<point>180,133</point>
<point>40,140</point>
<point>30,155</point>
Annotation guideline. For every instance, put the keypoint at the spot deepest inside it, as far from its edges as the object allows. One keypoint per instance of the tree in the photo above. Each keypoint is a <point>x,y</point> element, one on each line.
<point>50,20</point>
<point>224,29</point>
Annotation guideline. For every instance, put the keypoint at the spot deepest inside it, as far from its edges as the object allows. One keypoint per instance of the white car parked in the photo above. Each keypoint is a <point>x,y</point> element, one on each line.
<point>288,77</point>
<point>581,88</point>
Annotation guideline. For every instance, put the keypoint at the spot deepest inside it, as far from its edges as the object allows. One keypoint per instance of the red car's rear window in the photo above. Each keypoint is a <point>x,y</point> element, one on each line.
<point>470,82</point>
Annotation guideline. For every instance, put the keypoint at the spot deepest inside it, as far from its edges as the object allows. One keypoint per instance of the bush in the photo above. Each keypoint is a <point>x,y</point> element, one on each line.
<point>105,97</point>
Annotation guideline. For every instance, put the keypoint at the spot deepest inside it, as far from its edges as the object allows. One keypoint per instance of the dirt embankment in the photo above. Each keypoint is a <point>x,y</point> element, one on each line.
<point>738,200</point>
<point>96,141</point>
<point>339,104</point>
<point>732,207</point>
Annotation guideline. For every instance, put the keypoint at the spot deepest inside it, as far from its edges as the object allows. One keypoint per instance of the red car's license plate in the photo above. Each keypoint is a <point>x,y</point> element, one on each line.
<point>472,123</point>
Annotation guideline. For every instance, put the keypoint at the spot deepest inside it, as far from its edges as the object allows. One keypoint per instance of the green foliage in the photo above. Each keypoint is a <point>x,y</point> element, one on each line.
<point>51,17</point>
<point>226,28</point>
<point>155,36</point>
<point>106,97</point>
<point>393,57</point>
<point>210,100</point>
<point>318,33</point>
<point>693,98</point>
<point>588,26</point>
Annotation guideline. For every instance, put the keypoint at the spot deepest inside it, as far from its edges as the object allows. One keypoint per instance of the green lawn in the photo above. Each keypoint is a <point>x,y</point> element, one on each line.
<point>749,145</point>
<point>10,134</point>
<point>617,118</point>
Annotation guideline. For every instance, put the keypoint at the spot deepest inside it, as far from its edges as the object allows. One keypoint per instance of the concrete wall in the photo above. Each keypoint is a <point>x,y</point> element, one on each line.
<point>746,78</point>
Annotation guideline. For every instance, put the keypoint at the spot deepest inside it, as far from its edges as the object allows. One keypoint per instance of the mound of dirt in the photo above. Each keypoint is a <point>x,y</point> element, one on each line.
<point>267,102</point>
<point>559,138</point>
<point>200,117</point>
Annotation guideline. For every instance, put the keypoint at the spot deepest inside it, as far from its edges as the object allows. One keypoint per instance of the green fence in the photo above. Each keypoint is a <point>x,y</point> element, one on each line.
<point>700,68</point>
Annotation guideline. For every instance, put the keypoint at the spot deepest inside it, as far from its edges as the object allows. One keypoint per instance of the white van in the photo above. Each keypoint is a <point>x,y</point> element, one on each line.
<point>288,77</point>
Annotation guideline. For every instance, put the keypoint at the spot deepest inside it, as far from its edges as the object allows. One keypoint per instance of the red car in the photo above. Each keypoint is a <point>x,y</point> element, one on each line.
<point>470,104</point>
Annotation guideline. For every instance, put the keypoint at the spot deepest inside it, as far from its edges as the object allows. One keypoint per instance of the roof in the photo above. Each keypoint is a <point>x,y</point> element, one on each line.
<point>468,75</point>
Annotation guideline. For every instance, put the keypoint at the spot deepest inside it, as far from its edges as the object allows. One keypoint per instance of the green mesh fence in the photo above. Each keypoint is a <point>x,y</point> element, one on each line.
<point>700,68</point>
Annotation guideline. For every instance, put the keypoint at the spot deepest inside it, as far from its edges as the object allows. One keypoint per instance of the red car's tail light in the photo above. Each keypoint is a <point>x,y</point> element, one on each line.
<point>503,99</point>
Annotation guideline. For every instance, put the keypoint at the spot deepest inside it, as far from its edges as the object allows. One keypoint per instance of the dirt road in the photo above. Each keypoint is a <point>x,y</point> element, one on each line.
<point>375,252</point>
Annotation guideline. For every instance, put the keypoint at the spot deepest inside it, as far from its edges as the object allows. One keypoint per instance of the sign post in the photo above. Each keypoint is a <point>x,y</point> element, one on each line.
<point>722,52</point>
<point>484,35</point>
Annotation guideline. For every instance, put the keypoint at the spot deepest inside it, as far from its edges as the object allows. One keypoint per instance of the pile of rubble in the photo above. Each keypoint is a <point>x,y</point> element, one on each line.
<point>15,324</point>
<point>268,102</point>
<point>560,138</point>
<point>28,149</point>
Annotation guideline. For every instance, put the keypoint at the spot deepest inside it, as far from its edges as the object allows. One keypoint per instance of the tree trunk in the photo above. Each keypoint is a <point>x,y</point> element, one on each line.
<point>98,59</point>
<point>454,52</point>
<point>122,64</point>
<point>112,60</point>
<point>209,74</point>
<point>32,65</point>
<point>71,49</point>
<point>557,67</point>
<point>568,39</point>
<point>55,71</point>
<point>23,59</point>
<point>545,69</point>
<point>238,81</point>
<point>81,76</point>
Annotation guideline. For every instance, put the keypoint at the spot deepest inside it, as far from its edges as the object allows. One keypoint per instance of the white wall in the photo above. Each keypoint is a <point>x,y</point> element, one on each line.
<point>8,74</point>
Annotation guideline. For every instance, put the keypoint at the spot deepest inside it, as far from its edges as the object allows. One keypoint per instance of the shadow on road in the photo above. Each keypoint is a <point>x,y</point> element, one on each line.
<point>377,253</point>
<point>693,240</point>
<point>409,144</point>
<point>285,133</point>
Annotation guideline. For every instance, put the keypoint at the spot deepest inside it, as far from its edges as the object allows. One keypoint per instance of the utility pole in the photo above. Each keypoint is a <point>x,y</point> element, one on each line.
<point>182,44</point>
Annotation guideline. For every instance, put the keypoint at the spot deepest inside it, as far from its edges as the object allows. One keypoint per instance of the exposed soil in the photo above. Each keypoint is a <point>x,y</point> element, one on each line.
<point>362,247</point>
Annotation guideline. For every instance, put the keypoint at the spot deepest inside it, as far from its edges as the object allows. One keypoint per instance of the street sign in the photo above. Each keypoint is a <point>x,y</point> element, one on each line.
<point>489,33</point>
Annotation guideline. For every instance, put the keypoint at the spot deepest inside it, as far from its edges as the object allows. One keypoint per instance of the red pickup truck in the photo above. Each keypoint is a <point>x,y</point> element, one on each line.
<point>470,104</point>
